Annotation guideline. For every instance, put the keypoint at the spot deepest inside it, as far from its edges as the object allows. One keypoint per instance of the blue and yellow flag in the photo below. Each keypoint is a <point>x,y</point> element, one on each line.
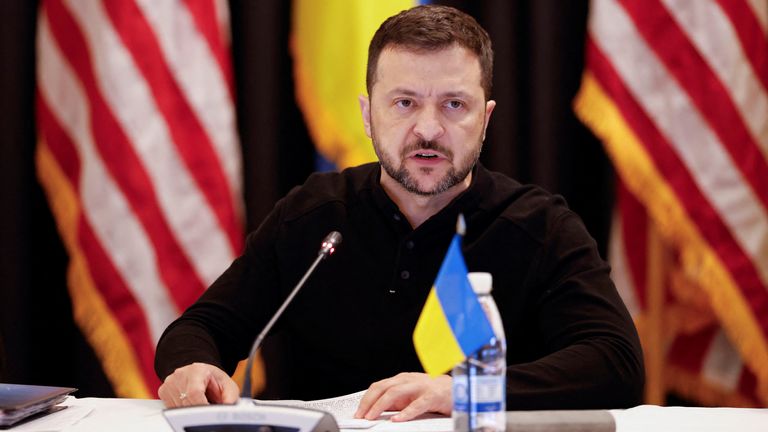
<point>452,324</point>
<point>329,44</point>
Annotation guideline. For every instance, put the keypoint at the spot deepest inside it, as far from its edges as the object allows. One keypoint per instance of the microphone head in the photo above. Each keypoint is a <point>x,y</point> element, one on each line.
<point>330,242</point>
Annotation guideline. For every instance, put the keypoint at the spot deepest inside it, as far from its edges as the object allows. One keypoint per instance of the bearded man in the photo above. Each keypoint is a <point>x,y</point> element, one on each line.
<point>571,343</point>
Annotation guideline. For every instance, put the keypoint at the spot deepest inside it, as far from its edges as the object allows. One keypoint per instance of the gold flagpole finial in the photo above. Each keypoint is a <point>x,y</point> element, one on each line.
<point>461,226</point>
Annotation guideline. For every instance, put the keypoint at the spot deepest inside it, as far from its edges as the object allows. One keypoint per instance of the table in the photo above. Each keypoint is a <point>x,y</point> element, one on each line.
<point>118,415</point>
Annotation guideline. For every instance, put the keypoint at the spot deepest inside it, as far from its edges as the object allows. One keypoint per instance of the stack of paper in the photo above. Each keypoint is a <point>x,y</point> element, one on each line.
<point>20,402</point>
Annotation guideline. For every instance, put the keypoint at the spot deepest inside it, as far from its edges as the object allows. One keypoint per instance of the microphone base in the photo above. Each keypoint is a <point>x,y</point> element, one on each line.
<point>247,416</point>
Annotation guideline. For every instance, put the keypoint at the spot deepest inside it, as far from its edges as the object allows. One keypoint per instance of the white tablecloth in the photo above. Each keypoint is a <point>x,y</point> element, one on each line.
<point>118,415</point>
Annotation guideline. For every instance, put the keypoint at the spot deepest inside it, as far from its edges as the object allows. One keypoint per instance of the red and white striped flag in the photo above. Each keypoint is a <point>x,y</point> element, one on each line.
<point>678,92</point>
<point>139,158</point>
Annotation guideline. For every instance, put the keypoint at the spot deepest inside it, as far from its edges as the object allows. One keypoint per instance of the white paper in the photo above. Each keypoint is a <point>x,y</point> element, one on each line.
<point>55,421</point>
<point>423,423</point>
<point>342,408</point>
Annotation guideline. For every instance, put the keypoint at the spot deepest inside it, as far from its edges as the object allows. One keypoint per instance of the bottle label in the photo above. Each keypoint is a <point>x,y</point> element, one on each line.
<point>488,393</point>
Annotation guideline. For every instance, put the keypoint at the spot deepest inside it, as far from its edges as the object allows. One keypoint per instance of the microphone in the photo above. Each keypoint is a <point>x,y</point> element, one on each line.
<point>246,415</point>
<point>330,242</point>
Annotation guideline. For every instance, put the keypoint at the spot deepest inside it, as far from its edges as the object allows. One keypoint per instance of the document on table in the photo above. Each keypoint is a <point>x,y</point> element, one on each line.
<point>343,409</point>
<point>55,421</point>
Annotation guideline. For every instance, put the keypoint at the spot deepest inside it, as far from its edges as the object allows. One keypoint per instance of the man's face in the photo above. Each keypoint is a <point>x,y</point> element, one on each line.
<point>427,116</point>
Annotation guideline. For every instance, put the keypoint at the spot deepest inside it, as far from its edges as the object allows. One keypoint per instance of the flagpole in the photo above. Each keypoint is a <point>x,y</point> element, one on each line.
<point>654,329</point>
<point>461,229</point>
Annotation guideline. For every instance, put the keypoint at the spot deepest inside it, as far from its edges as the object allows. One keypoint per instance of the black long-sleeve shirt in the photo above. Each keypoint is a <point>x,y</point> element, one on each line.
<point>570,340</point>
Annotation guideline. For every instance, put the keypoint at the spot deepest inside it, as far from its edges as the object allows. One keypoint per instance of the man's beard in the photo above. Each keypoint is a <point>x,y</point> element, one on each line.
<point>455,175</point>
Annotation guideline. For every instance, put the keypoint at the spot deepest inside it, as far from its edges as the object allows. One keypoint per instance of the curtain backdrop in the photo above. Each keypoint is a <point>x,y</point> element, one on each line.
<point>533,136</point>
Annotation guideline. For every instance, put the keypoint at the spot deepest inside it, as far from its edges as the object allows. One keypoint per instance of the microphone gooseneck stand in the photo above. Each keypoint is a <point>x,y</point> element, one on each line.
<point>246,415</point>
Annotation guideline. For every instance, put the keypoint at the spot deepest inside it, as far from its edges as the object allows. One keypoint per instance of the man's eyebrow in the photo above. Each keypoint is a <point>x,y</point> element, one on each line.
<point>402,91</point>
<point>450,94</point>
<point>457,94</point>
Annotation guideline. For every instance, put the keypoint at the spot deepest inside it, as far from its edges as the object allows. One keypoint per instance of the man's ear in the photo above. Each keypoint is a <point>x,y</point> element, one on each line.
<point>489,106</point>
<point>365,109</point>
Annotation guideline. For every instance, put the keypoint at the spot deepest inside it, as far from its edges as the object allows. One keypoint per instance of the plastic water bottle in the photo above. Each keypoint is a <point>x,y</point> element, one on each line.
<point>484,373</point>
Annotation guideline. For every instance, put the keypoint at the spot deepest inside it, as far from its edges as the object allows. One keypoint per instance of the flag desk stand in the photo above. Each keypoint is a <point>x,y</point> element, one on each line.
<point>247,416</point>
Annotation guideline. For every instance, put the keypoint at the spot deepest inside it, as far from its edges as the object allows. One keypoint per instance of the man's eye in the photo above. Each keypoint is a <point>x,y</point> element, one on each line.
<point>454,104</point>
<point>404,103</point>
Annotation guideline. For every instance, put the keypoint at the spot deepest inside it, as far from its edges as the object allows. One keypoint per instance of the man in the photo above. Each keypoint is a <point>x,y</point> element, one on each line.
<point>571,343</point>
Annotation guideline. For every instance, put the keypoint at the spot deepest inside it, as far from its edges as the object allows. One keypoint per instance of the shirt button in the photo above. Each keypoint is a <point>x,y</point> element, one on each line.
<point>396,217</point>
<point>405,274</point>
<point>409,244</point>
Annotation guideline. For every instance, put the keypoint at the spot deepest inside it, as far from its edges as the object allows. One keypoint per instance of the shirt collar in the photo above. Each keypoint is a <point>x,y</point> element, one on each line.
<point>466,202</point>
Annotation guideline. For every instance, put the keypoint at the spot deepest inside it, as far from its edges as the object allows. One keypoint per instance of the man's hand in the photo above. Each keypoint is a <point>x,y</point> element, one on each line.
<point>198,384</point>
<point>410,393</point>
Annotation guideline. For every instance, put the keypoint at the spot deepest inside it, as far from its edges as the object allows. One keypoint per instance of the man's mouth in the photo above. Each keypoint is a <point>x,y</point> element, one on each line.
<point>426,156</point>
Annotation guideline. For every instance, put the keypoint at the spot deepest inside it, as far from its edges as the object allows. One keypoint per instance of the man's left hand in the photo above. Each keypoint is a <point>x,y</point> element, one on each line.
<point>410,393</point>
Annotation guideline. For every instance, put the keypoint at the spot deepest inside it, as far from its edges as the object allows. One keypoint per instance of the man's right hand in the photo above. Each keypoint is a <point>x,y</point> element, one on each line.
<point>198,384</point>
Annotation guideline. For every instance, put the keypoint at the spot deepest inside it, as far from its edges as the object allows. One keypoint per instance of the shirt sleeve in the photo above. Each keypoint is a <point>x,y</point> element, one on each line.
<point>219,328</point>
<point>593,357</point>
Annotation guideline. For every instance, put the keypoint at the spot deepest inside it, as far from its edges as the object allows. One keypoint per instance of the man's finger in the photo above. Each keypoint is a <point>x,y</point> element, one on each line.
<point>413,410</point>
<point>167,396</point>
<point>228,391</point>
<point>213,390</point>
<point>394,398</point>
<point>194,397</point>
<point>371,396</point>
<point>170,394</point>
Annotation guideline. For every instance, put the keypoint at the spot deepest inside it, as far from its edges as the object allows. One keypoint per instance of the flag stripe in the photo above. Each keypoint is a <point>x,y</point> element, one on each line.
<point>185,208</point>
<point>122,163</point>
<point>715,37</point>
<point>751,34</point>
<point>111,286</point>
<point>459,302</point>
<point>689,385</point>
<point>706,92</point>
<point>189,136</point>
<point>619,257</point>
<point>760,10</point>
<point>635,233</point>
<point>722,364</point>
<point>679,178</point>
<point>221,9</point>
<point>688,351</point>
<point>707,162</point>
<point>434,339</point>
<point>748,384</point>
<point>188,56</point>
<point>205,13</point>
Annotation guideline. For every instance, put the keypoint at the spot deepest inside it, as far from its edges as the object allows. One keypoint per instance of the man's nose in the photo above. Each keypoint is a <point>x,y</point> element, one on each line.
<point>429,126</point>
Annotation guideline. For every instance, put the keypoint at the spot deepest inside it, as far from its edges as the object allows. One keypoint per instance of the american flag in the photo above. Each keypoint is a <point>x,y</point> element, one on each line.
<point>139,158</point>
<point>678,92</point>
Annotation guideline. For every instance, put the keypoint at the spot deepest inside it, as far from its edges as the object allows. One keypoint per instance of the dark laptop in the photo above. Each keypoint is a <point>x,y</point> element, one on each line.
<point>19,402</point>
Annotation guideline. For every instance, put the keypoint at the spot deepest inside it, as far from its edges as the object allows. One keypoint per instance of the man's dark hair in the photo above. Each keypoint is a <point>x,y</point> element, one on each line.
<point>430,28</point>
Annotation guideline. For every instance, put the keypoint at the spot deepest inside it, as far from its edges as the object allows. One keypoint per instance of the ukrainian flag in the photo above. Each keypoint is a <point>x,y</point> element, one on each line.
<point>329,45</point>
<point>452,324</point>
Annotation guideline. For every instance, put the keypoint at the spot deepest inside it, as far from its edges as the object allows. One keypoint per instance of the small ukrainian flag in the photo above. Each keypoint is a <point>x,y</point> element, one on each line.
<point>452,324</point>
